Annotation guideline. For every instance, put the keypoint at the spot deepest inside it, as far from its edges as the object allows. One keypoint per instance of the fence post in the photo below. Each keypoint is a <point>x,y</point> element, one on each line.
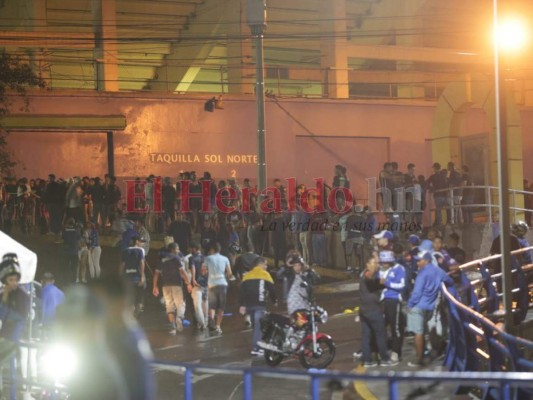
<point>505,391</point>
<point>247,379</point>
<point>315,388</point>
<point>393,390</point>
<point>452,207</point>
<point>489,203</point>
<point>188,384</point>
<point>514,206</point>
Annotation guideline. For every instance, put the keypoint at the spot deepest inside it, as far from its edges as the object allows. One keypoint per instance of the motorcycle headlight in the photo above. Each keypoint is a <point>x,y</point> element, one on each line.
<point>324,316</point>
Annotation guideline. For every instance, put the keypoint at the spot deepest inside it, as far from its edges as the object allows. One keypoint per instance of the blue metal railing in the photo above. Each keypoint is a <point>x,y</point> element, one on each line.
<point>506,383</point>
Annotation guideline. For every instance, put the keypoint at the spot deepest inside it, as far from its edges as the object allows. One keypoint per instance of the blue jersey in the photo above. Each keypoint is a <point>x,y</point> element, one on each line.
<point>394,283</point>
<point>52,297</point>
<point>528,259</point>
<point>132,257</point>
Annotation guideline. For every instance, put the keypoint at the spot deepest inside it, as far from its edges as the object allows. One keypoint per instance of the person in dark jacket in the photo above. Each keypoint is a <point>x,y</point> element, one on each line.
<point>255,286</point>
<point>71,244</point>
<point>54,198</point>
<point>437,183</point>
<point>246,261</point>
<point>372,319</point>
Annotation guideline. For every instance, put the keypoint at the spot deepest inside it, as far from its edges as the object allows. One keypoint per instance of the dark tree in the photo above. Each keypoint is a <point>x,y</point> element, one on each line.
<point>15,76</point>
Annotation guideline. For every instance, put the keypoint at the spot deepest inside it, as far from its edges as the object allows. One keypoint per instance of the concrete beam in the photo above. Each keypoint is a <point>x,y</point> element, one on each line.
<point>171,76</point>
<point>106,50</point>
<point>48,40</point>
<point>63,123</point>
<point>392,77</point>
<point>418,54</point>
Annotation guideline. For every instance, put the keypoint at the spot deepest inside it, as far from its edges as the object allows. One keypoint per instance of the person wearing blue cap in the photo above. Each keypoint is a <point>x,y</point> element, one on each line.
<point>384,240</point>
<point>422,302</point>
<point>393,279</point>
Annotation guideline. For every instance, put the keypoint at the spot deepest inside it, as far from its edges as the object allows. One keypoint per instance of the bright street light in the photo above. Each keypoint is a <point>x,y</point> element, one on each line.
<point>511,34</point>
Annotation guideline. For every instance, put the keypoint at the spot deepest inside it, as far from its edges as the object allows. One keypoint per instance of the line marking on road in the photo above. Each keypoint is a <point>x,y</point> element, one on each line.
<point>169,347</point>
<point>235,390</point>
<point>360,387</point>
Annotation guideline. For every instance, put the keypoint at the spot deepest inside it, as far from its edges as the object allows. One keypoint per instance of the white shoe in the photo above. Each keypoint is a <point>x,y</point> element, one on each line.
<point>394,357</point>
<point>179,325</point>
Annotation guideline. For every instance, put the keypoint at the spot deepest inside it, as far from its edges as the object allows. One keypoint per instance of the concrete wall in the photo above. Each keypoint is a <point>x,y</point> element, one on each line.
<point>305,138</point>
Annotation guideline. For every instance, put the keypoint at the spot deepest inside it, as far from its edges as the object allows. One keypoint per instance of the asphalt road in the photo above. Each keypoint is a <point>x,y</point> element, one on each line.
<point>232,347</point>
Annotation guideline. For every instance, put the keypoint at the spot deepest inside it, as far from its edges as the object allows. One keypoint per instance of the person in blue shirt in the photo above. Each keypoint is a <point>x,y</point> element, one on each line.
<point>14,312</point>
<point>393,279</point>
<point>132,267</point>
<point>51,298</point>
<point>421,304</point>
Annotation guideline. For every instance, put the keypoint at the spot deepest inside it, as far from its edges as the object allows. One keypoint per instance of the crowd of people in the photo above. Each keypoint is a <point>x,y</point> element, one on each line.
<point>400,273</point>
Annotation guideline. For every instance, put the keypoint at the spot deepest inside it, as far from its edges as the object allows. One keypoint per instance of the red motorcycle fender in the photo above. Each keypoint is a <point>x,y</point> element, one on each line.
<point>309,338</point>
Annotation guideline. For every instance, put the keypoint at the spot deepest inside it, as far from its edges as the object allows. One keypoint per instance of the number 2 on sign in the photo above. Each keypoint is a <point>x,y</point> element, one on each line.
<point>233,173</point>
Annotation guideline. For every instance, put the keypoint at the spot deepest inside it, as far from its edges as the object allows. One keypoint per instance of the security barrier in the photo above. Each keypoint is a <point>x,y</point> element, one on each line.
<point>507,384</point>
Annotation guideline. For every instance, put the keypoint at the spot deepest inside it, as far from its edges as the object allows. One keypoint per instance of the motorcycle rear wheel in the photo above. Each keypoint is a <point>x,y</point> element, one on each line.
<point>272,358</point>
<point>323,357</point>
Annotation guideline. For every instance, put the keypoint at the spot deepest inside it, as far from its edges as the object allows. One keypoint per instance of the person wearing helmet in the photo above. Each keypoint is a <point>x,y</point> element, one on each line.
<point>520,230</point>
<point>15,302</point>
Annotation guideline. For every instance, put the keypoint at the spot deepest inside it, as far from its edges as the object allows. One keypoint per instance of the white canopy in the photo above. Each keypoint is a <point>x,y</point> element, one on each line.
<point>27,258</point>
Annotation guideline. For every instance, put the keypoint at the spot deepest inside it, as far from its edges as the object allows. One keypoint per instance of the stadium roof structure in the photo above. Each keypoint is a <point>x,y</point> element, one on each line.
<point>313,48</point>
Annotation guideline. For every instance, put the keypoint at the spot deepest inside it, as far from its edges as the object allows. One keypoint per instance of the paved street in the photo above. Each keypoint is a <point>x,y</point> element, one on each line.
<point>233,346</point>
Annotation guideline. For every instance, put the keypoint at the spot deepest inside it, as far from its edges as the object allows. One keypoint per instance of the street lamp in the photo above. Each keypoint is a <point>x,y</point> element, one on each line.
<point>509,35</point>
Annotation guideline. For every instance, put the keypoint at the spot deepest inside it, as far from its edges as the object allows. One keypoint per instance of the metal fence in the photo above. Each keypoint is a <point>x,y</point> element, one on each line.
<point>506,383</point>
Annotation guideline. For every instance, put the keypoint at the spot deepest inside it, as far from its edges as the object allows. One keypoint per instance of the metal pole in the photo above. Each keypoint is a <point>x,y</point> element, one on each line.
<point>257,17</point>
<point>260,95</point>
<point>110,154</point>
<point>503,176</point>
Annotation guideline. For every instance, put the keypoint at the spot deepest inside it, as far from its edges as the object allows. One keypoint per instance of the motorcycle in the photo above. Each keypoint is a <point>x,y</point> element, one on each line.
<point>297,336</point>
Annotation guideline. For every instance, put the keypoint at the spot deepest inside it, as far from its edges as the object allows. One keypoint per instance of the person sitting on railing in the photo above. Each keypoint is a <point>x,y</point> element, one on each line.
<point>520,230</point>
<point>422,303</point>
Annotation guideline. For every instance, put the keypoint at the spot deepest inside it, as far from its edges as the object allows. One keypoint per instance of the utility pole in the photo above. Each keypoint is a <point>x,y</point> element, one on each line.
<point>256,17</point>
<point>503,177</point>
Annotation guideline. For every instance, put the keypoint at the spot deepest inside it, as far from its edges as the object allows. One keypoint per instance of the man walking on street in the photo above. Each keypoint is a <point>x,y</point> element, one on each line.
<point>219,269</point>
<point>255,286</point>
<point>172,273</point>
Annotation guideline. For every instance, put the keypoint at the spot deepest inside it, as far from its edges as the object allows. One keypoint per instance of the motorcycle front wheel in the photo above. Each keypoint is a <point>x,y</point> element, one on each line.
<point>272,358</point>
<point>322,358</point>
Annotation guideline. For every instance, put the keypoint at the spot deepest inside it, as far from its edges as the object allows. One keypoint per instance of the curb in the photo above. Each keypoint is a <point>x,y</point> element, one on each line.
<point>360,387</point>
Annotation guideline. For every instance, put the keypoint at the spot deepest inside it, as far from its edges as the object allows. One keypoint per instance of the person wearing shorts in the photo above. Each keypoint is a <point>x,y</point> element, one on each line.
<point>219,270</point>
<point>423,300</point>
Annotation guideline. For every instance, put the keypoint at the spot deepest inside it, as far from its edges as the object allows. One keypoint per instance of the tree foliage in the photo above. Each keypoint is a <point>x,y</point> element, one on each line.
<point>15,76</point>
